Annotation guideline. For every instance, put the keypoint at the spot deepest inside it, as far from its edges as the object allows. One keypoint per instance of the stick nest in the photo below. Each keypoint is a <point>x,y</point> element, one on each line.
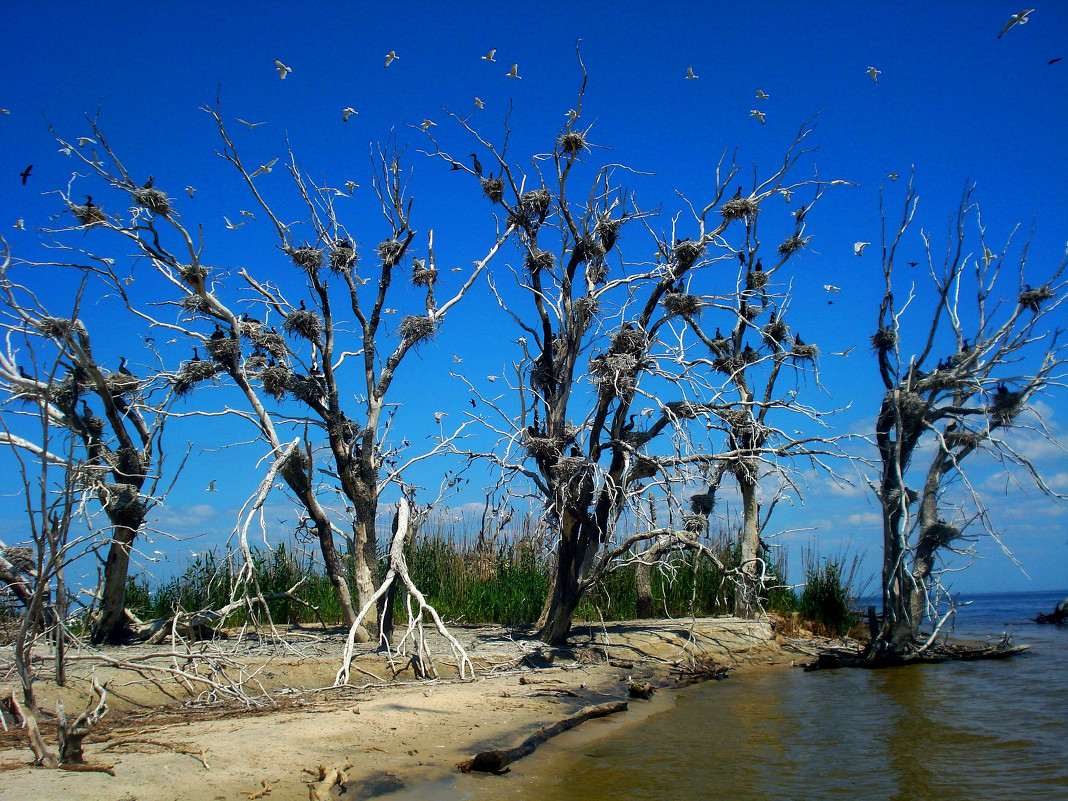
<point>304,323</point>
<point>390,251</point>
<point>536,260</point>
<point>571,143</point>
<point>963,438</point>
<point>193,274</point>
<point>793,244</point>
<point>534,205</point>
<point>307,258</point>
<point>88,215</point>
<point>695,524</point>
<point>586,308</point>
<point>195,304</point>
<point>192,373</point>
<point>342,259</point>
<point>745,468</point>
<point>750,312</point>
<point>939,535</point>
<point>224,350</point>
<point>307,388</point>
<point>125,498</point>
<point>687,252</point>
<point>121,384</point>
<point>493,188</point>
<point>756,280</point>
<point>266,339</point>
<point>541,446</point>
<point>884,339</point>
<point>629,339</point>
<point>803,353</point>
<point>59,327</point>
<point>615,373</point>
<point>607,231</point>
<point>703,503</point>
<point>418,328</point>
<point>424,276</point>
<point>567,467</point>
<point>1033,298</point>
<point>775,332</point>
<point>153,199</point>
<point>276,381</point>
<point>589,248</point>
<point>682,410</point>
<point>739,209</point>
<point>1006,406</point>
<point>682,304</point>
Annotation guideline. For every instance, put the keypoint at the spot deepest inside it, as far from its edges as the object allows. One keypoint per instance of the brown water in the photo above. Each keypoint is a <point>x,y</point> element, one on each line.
<point>970,730</point>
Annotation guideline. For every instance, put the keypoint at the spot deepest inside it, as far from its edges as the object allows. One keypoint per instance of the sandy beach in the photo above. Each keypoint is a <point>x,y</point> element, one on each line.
<point>171,738</point>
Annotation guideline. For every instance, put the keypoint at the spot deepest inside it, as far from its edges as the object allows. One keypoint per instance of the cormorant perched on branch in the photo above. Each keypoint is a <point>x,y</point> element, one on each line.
<point>123,368</point>
<point>196,356</point>
<point>759,266</point>
<point>478,164</point>
<point>23,374</point>
<point>246,319</point>
<point>798,340</point>
<point>741,258</point>
<point>88,201</point>
<point>148,184</point>
<point>1002,389</point>
<point>738,194</point>
<point>218,332</point>
<point>629,425</point>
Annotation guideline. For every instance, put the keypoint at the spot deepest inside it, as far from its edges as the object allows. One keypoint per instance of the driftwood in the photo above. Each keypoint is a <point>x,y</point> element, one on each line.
<point>319,790</point>
<point>497,761</point>
<point>1003,649</point>
<point>1058,616</point>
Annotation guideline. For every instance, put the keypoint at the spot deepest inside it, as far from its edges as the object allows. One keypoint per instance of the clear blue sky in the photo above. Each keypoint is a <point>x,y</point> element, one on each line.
<point>952,100</point>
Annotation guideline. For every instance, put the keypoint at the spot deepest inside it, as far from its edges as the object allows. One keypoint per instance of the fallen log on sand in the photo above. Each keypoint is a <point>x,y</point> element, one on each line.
<point>497,761</point>
<point>1003,649</point>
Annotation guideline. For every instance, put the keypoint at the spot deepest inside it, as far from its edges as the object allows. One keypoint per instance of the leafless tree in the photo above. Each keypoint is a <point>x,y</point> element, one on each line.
<point>960,379</point>
<point>582,451</point>
<point>290,378</point>
<point>121,451</point>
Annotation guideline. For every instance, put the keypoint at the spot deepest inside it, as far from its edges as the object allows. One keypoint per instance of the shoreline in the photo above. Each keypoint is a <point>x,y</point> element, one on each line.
<point>400,736</point>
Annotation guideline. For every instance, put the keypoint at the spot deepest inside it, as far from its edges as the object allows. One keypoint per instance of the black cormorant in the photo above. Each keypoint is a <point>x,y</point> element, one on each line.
<point>25,174</point>
<point>123,368</point>
<point>478,164</point>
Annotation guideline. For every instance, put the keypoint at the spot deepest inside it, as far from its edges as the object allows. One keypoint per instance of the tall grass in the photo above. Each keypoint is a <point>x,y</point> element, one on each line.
<point>828,599</point>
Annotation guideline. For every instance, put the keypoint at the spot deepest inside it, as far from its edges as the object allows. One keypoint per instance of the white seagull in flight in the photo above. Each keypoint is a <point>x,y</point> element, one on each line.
<point>283,70</point>
<point>1016,19</point>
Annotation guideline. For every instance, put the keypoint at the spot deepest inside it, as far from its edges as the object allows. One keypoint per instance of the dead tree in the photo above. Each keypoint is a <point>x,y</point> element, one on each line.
<point>960,381</point>
<point>121,453</point>
<point>291,371</point>
<point>589,315</point>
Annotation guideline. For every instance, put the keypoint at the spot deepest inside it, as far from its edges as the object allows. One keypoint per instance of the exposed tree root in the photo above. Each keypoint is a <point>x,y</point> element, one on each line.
<point>1003,649</point>
<point>319,790</point>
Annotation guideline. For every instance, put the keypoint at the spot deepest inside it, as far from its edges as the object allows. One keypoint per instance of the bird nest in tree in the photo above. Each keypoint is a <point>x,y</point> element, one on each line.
<point>586,308</point>
<point>756,279</point>
<point>893,498</point>
<point>65,393</point>
<point>682,410</point>
<point>88,215</point>
<point>589,248</point>
<point>94,425</point>
<point>195,304</point>
<point>295,467</point>
<point>728,365</point>
<point>750,313</point>
<point>939,535</point>
<point>276,381</point>
<point>59,327</point>
<point>963,438</point>
<point>21,557</point>
<point>307,388</point>
<point>703,503</point>
<point>687,252</point>
<point>257,361</point>
<point>745,468</point>
<point>418,328</point>
<point>193,274</point>
<point>493,188</point>
<point>720,345</point>
<point>597,272</point>
<point>307,258</point>
<point>607,231</point>
<point>629,339</point>
<point>1006,406</point>
<point>615,373</point>
<point>775,332</point>
<point>152,199</point>
<point>266,339</point>
<point>739,209</point>
<point>884,339</point>
<point>389,251</point>
<point>793,244</point>
<point>567,467</point>
<point>541,446</point>
<point>125,498</point>
<point>682,304</point>
<point>224,350</point>
<point>940,380</point>
<point>304,323</point>
<point>538,260</point>
<point>912,407</point>
<point>571,143</point>
<point>735,418</point>
<point>535,204</point>
<point>1033,298</point>
<point>424,276</point>
<point>344,429</point>
<point>804,353</point>
<point>192,373</point>
<point>120,383</point>
<point>695,524</point>
<point>127,462</point>
<point>342,259</point>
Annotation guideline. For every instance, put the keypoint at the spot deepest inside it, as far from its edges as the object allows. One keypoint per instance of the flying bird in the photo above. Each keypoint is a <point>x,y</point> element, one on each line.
<point>389,311</point>
<point>352,186</point>
<point>191,190</point>
<point>1015,19</point>
<point>283,70</point>
<point>456,359</point>
<point>874,73</point>
<point>347,112</point>
<point>845,352</point>
<point>231,226</point>
<point>426,125</point>
<point>438,416</point>
<point>858,247</point>
<point>479,104</point>
<point>759,115</point>
<point>690,74</point>
<point>4,111</point>
<point>514,72</point>
<point>391,56</point>
<point>25,174</point>
<point>66,151</point>
<point>913,263</point>
<point>832,288</point>
<point>85,140</point>
<point>265,167</point>
<point>20,224</point>
<point>762,95</point>
<point>211,487</point>
<point>894,176</point>
<point>248,214</point>
<point>456,270</point>
<point>251,125</point>
<point>490,55</point>
<point>1055,60</point>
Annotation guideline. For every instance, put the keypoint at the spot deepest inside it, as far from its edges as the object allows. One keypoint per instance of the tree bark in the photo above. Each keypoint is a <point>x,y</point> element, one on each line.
<point>747,593</point>
<point>110,624</point>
